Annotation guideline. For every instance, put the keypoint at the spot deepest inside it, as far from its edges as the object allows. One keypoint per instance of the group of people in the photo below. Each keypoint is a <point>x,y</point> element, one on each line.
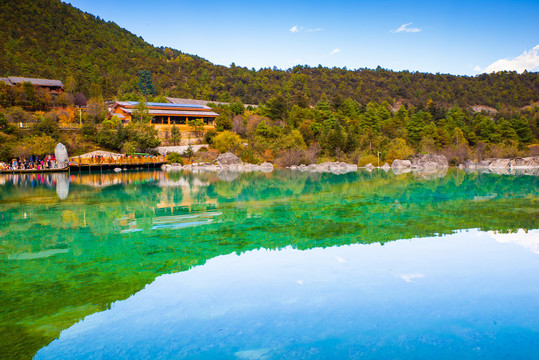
<point>34,163</point>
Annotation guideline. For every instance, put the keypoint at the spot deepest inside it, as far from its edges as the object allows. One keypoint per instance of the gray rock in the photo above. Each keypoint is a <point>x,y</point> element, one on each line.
<point>499,163</point>
<point>60,152</point>
<point>401,164</point>
<point>429,161</point>
<point>228,159</point>
<point>386,167</point>
<point>369,167</point>
<point>266,167</point>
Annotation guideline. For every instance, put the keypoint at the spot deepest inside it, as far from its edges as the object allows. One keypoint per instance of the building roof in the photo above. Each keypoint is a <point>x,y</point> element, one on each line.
<point>173,112</point>
<point>40,82</point>
<point>200,102</point>
<point>150,105</point>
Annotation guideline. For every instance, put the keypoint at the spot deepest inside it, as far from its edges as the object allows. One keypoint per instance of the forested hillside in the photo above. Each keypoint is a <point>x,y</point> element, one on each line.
<point>50,39</point>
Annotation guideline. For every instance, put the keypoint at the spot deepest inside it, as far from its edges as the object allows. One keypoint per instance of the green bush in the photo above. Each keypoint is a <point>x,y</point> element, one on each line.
<point>367,159</point>
<point>174,158</point>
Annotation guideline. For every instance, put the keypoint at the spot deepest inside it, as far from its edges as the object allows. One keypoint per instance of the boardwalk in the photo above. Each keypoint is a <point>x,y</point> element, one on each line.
<point>94,164</point>
<point>97,164</point>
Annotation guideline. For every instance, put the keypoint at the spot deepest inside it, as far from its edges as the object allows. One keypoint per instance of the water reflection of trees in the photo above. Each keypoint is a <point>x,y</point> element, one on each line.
<point>118,232</point>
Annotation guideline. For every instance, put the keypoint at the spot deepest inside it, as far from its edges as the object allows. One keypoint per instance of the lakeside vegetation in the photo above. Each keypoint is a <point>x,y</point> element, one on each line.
<point>305,114</point>
<point>288,134</point>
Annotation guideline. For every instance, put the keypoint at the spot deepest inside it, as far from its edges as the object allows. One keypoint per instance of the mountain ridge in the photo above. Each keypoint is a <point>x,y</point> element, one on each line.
<point>52,39</point>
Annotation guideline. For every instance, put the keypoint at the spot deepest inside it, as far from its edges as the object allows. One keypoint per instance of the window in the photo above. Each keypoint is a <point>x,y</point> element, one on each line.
<point>177,120</point>
<point>159,120</point>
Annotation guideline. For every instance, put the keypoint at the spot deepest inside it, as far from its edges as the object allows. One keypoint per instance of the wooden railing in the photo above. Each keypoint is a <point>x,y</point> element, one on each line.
<point>129,160</point>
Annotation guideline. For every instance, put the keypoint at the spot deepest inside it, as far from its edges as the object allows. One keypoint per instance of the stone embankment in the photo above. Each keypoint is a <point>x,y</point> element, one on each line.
<point>516,163</point>
<point>427,166</point>
<point>513,166</point>
<point>327,167</point>
<point>225,162</point>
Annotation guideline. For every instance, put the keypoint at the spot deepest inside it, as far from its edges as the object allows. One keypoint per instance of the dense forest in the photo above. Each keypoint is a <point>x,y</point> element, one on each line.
<point>50,39</point>
<point>305,114</point>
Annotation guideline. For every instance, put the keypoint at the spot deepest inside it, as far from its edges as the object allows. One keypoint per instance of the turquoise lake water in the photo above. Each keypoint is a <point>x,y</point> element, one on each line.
<point>154,265</point>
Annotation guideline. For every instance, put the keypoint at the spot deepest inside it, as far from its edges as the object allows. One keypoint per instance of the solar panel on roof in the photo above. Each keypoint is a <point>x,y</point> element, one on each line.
<point>134,103</point>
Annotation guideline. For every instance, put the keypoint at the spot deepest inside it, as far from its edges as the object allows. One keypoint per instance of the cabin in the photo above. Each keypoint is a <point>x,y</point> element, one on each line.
<point>51,86</point>
<point>164,114</point>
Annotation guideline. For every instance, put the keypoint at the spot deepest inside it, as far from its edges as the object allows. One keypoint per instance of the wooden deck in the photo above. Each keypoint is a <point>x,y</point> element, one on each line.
<point>74,167</point>
<point>34,171</point>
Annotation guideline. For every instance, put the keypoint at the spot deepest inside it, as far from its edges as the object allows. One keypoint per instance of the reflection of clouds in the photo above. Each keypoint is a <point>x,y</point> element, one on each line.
<point>341,260</point>
<point>184,221</point>
<point>529,240</point>
<point>253,354</point>
<point>36,255</point>
<point>411,277</point>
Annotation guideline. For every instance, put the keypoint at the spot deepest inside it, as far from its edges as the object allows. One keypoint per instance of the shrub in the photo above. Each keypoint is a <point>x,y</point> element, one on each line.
<point>251,157</point>
<point>290,157</point>
<point>208,137</point>
<point>174,158</point>
<point>367,159</point>
<point>227,141</point>
<point>398,149</point>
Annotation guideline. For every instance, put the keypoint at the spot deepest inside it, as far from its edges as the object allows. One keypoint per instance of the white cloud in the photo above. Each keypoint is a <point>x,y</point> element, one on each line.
<point>410,277</point>
<point>528,240</point>
<point>297,29</point>
<point>528,60</point>
<point>477,68</point>
<point>405,28</point>
<point>334,51</point>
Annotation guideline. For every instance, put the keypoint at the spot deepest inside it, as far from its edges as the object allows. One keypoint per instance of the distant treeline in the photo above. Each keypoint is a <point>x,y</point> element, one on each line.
<point>51,39</point>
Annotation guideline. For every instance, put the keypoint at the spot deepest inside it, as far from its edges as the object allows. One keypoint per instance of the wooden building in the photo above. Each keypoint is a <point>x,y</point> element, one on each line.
<point>52,86</point>
<point>164,114</point>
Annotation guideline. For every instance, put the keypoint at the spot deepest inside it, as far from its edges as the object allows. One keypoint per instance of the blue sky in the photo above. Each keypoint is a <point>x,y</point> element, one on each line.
<point>456,37</point>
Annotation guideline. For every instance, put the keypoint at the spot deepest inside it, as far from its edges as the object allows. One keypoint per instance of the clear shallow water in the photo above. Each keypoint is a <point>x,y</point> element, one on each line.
<point>150,262</point>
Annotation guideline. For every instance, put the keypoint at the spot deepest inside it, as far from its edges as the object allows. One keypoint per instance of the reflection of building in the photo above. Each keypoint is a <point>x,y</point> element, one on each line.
<point>52,86</point>
<point>166,115</point>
